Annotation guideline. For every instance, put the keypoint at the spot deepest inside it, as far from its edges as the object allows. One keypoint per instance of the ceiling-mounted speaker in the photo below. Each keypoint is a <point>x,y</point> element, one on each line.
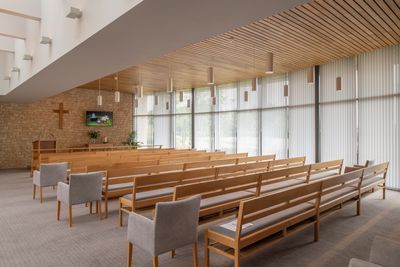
<point>181,96</point>
<point>254,83</point>
<point>210,75</point>
<point>45,40</point>
<point>27,57</point>
<point>286,90</point>
<point>339,83</point>
<point>73,13</point>
<point>310,74</point>
<point>269,63</point>
<point>246,96</point>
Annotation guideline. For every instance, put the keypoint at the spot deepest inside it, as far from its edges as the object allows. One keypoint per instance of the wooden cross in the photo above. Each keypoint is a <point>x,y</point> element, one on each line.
<point>61,113</point>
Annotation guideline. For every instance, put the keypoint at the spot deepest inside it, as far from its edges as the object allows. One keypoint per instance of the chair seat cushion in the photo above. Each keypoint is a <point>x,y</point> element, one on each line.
<point>265,221</point>
<point>119,186</point>
<point>337,194</point>
<point>322,175</point>
<point>151,194</point>
<point>217,200</point>
<point>278,186</point>
<point>371,181</point>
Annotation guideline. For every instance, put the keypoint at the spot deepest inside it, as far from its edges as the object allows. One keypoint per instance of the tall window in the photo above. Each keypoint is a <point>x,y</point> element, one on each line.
<point>203,119</point>
<point>183,119</point>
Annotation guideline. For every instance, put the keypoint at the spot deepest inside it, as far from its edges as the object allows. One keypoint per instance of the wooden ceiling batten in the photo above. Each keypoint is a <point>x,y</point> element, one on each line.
<point>311,34</point>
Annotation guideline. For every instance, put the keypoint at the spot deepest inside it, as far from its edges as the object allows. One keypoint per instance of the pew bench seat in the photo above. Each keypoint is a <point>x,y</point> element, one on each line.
<point>265,222</point>
<point>277,186</point>
<point>151,194</point>
<point>322,175</point>
<point>372,181</point>
<point>223,199</point>
<point>118,186</point>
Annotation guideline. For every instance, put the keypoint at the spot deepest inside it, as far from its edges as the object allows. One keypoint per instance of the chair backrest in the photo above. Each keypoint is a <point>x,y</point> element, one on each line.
<point>176,224</point>
<point>85,187</point>
<point>52,173</point>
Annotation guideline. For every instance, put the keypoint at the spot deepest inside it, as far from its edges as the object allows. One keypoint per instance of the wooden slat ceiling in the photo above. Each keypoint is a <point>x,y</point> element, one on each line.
<point>317,32</point>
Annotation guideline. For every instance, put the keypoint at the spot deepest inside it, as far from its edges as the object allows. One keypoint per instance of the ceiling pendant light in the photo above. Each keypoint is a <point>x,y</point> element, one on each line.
<point>117,95</point>
<point>99,96</point>
<point>338,83</point>
<point>136,103</point>
<point>45,40</point>
<point>214,101</point>
<point>254,83</point>
<point>156,100</point>
<point>246,96</point>
<point>170,85</point>
<point>181,96</point>
<point>167,105</point>
<point>188,103</point>
<point>269,68</point>
<point>286,90</point>
<point>210,75</point>
<point>139,91</point>
<point>310,74</point>
<point>255,80</point>
<point>213,90</point>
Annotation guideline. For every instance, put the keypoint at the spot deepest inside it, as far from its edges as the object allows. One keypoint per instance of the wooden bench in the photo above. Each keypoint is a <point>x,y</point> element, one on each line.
<point>325,169</point>
<point>220,195</point>
<point>286,163</point>
<point>375,176</point>
<point>265,220</point>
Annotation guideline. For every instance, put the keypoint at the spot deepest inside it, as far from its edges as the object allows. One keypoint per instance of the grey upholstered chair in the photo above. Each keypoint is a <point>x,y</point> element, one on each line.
<point>384,253</point>
<point>49,175</point>
<point>174,226</point>
<point>82,188</point>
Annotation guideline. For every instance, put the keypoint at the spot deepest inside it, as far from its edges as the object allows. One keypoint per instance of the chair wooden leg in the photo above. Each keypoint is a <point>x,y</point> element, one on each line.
<point>90,207</point>
<point>70,215</point>
<point>34,191</point>
<point>130,246</point>
<point>41,194</point>
<point>120,214</point>
<point>195,255</point>
<point>98,204</point>
<point>206,262</point>
<point>155,261</point>
<point>58,209</point>
<point>173,253</point>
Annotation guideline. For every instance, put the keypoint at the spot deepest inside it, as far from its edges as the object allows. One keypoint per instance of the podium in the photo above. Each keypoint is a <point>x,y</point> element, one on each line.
<point>41,147</point>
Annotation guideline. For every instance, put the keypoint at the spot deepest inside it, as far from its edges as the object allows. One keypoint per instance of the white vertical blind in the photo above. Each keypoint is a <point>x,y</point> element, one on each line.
<point>379,116</point>
<point>338,126</point>
<point>247,124</point>
<point>274,116</point>
<point>301,116</point>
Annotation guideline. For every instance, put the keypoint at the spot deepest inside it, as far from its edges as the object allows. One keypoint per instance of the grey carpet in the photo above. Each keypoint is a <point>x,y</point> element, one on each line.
<point>31,236</point>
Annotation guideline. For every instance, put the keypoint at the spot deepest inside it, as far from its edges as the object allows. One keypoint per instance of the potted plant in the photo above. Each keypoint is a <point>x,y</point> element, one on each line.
<point>132,140</point>
<point>93,135</point>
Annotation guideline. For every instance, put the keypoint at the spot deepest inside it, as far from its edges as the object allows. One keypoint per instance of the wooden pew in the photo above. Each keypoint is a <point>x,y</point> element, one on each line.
<point>219,196</point>
<point>265,220</point>
<point>375,176</point>
<point>325,169</point>
<point>286,163</point>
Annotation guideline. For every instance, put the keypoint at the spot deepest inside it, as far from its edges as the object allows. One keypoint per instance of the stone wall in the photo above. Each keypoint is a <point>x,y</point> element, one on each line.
<point>20,124</point>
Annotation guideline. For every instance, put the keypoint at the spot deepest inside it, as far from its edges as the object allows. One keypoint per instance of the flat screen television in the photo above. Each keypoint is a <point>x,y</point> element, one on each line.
<point>99,118</point>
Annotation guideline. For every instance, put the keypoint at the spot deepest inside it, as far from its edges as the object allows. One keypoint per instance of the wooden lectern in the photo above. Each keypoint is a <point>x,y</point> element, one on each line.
<point>40,147</point>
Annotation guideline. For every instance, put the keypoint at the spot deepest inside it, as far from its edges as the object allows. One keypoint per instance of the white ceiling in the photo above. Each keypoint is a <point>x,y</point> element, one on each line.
<point>149,30</point>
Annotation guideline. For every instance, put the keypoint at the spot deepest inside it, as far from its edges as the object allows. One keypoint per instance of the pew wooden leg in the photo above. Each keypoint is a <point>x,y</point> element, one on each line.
<point>173,253</point>
<point>98,204</point>
<point>237,258</point>
<point>70,215</point>
<point>97,208</point>
<point>155,261</point>
<point>130,250</point>
<point>86,205</point>
<point>195,255</point>
<point>384,191</point>
<point>58,209</point>
<point>90,207</point>
<point>206,262</point>
<point>41,194</point>
<point>358,207</point>
<point>316,230</point>
<point>34,191</point>
<point>120,214</point>
<point>106,205</point>
<point>373,189</point>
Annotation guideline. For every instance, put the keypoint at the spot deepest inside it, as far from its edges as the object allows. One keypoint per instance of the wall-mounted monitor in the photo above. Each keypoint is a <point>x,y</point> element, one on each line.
<point>99,118</point>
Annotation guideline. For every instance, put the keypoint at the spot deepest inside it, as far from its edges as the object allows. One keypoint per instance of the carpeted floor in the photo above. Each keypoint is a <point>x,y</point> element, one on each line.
<point>31,236</point>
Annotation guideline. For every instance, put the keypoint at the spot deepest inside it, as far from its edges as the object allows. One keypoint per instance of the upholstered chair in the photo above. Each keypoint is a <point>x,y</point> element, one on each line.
<point>174,226</point>
<point>82,188</point>
<point>384,253</point>
<point>49,175</point>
